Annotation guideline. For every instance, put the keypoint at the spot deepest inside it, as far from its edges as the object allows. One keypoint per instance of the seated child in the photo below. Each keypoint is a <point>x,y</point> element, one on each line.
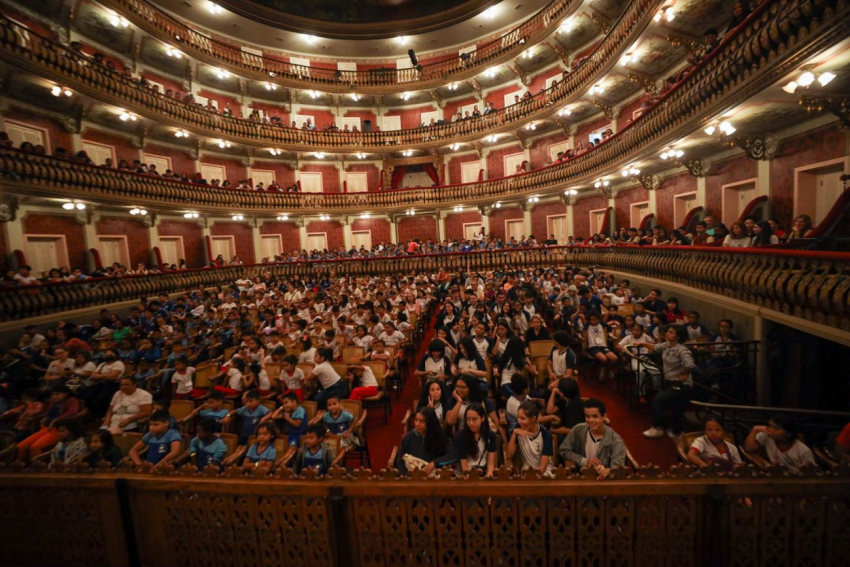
<point>261,455</point>
<point>533,441</point>
<point>368,383</point>
<point>102,448</point>
<point>29,415</point>
<point>291,378</point>
<point>162,443</point>
<point>182,380</point>
<point>313,455</point>
<point>712,448</point>
<point>295,417</point>
<point>165,405</point>
<point>779,438</point>
<point>71,446</point>
<point>339,422</point>
<point>207,448</point>
<point>251,413</point>
<point>213,409</point>
<point>593,444</point>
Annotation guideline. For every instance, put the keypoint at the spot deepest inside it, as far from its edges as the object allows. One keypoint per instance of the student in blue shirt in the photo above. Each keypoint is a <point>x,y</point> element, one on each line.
<point>165,405</point>
<point>207,449</point>
<point>295,417</point>
<point>213,409</point>
<point>251,413</point>
<point>162,443</point>
<point>313,455</point>
<point>261,455</point>
<point>339,422</point>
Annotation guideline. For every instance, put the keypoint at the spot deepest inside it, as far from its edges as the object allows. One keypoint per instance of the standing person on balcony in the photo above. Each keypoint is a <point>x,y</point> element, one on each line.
<point>668,407</point>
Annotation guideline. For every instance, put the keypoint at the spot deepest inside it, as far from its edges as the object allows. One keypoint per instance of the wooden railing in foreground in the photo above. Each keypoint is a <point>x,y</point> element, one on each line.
<point>809,284</point>
<point>679,518</point>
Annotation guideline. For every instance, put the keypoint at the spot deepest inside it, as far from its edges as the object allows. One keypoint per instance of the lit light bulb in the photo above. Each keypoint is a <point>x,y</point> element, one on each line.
<point>710,129</point>
<point>319,155</point>
<point>68,206</point>
<point>825,78</point>
<point>214,8</point>
<point>727,128</point>
<point>80,206</point>
<point>564,112</point>
<point>790,87</point>
<point>806,79</point>
<point>67,92</point>
<point>499,205</point>
<point>56,91</point>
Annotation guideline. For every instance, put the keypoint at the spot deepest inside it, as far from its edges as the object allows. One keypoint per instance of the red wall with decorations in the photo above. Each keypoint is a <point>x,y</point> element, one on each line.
<point>581,214</point>
<point>539,81</point>
<point>539,151</point>
<point>122,147</point>
<point>363,115</point>
<point>372,173</point>
<point>539,224</point>
<point>321,118</point>
<point>234,170</point>
<point>66,225</point>
<point>455,222</point>
<point>410,117</point>
<point>290,235</point>
<point>670,187</point>
<point>223,101</point>
<point>422,227</point>
<point>583,131</point>
<point>333,231</point>
<point>455,175</point>
<point>192,240</point>
<point>243,238</point>
<point>729,171</point>
<point>497,97</point>
<point>496,161</point>
<point>180,160</point>
<point>807,149</point>
<point>498,218</point>
<point>282,173</point>
<point>380,229</point>
<point>330,176</point>
<point>624,118</point>
<point>623,202</point>
<point>453,106</point>
<point>57,136</point>
<point>138,237</point>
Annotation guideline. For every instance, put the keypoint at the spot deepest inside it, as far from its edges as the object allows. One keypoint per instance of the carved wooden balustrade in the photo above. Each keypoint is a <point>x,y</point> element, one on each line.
<point>808,284</point>
<point>48,58</point>
<point>775,39</point>
<point>182,518</point>
<point>219,53</point>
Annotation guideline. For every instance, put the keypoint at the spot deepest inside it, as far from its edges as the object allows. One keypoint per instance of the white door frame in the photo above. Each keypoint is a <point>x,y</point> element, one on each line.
<point>229,237</point>
<point>62,257</point>
<point>632,207</point>
<point>678,222</point>
<point>180,249</point>
<point>754,182</point>
<point>307,240</point>
<point>125,248</point>
<point>594,230</point>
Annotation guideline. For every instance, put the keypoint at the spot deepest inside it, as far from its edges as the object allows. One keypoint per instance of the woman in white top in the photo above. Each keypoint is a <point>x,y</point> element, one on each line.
<point>128,406</point>
<point>737,237</point>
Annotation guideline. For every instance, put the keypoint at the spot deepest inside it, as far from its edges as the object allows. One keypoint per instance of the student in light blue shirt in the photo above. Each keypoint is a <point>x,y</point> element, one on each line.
<point>251,413</point>
<point>162,443</point>
<point>207,448</point>
<point>339,422</point>
<point>313,455</point>
<point>261,455</point>
<point>295,417</point>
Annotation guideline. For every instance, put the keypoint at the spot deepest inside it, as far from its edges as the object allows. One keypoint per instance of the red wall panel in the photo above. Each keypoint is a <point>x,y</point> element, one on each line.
<point>623,202</point>
<point>333,231</point>
<point>122,147</point>
<point>363,115</point>
<point>380,229</point>
<point>498,218</point>
<point>330,176</point>
<point>496,161</point>
<point>57,136</point>
<point>539,224</point>
<point>729,171</point>
<point>192,240</point>
<point>455,222</point>
<point>453,106</point>
<point>671,186</point>
<point>180,160</point>
<point>455,175</point>
<point>282,173</point>
<point>138,237</point>
<point>290,234</point>
<point>583,131</point>
<point>539,150</point>
<point>581,214</point>
<point>243,238</point>
<point>28,22</point>
<point>66,225</point>
<point>372,173</point>
<point>807,149</point>
<point>422,227</point>
<point>625,117</point>
<point>411,117</point>
<point>539,82</point>
<point>321,117</point>
<point>234,170</point>
<point>272,111</point>
<point>497,97</point>
<point>223,101</point>
<point>165,82</point>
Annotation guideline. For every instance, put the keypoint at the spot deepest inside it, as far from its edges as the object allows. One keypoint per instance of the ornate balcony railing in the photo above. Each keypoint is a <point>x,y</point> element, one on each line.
<point>383,80</point>
<point>50,59</point>
<point>806,284</point>
<point>682,517</point>
<point>765,48</point>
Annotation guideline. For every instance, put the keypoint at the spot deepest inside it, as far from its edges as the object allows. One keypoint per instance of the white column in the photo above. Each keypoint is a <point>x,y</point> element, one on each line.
<point>15,231</point>
<point>702,199</point>
<point>653,204</point>
<point>441,226</point>
<point>302,235</point>
<point>90,231</point>
<point>570,211</point>
<point>612,221</point>
<point>485,222</point>
<point>762,376</point>
<point>393,231</point>
<point>763,185</point>
<point>255,240</point>
<point>526,221</point>
<point>346,233</point>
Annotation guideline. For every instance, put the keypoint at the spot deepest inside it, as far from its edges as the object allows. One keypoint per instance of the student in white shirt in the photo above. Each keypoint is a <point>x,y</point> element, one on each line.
<point>712,448</point>
<point>331,382</point>
<point>779,438</point>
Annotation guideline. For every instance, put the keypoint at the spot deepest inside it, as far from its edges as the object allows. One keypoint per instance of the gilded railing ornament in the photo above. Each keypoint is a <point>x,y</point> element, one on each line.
<point>837,105</point>
<point>756,147</point>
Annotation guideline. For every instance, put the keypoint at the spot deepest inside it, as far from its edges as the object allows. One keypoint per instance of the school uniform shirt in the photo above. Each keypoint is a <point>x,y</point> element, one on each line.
<point>532,449</point>
<point>483,346</point>
<point>794,458</point>
<point>183,380</point>
<point>159,447</point>
<point>629,340</point>
<point>596,336</point>
<point>206,454</point>
<point>325,374</point>
<point>471,364</point>
<point>217,415</point>
<point>293,435</point>
<point>294,381</point>
<point>511,409</point>
<point>676,359</point>
<point>508,373</point>
<point>263,382</point>
<point>315,460</point>
<point>708,451</point>
<point>250,419</point>
<point>696,332</point>
<point>489,407</point>
<point>307,355</point>
<point>368,379</point>
<point>255,455</point>
<point>486,445</point>
<point>430,364</point>
<point>234,379</point>
<point>562,361</point>
<point>393,339</point>
<point>76,381</point>
<point>107,367</point>
<point>644,320</point>
<point>339,424</point>
<point>365,341</point>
